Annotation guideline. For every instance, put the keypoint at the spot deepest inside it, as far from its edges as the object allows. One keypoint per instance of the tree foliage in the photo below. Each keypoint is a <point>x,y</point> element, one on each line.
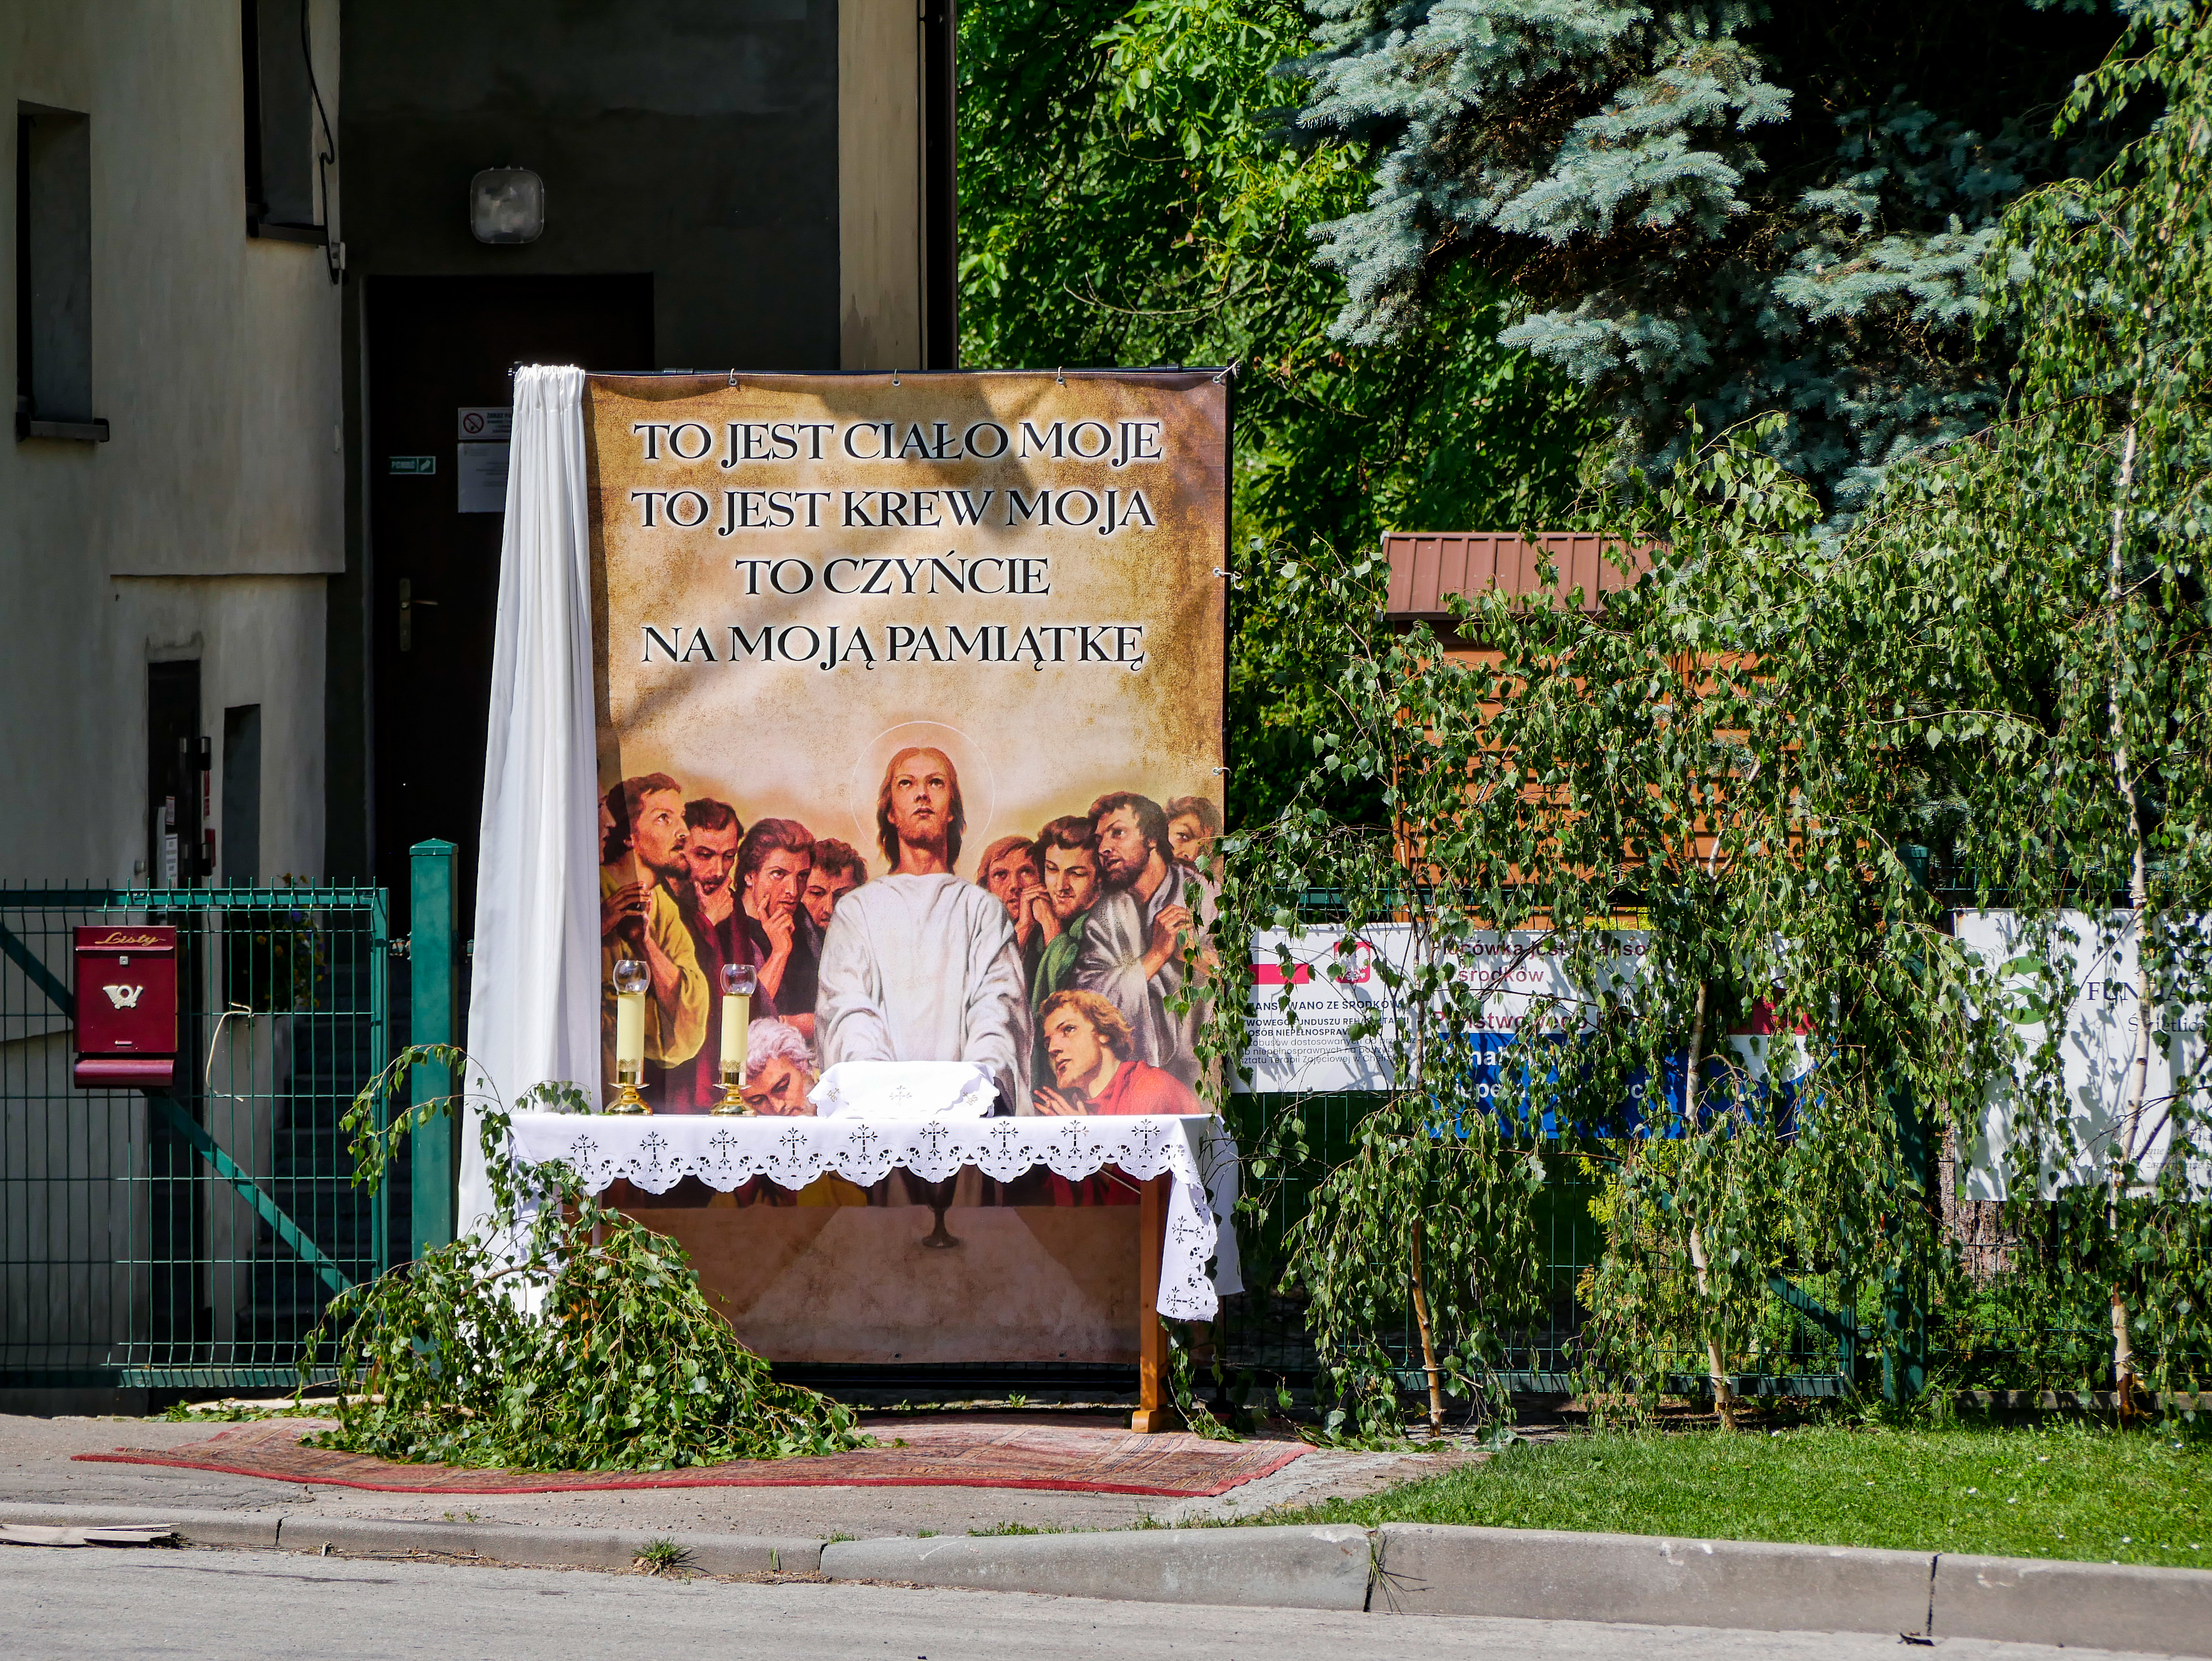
<point>2056,657</point>
<point>1716,793</point>
<point>1716,206</point>
<point>1622,788</point>
<point>1122,203</point>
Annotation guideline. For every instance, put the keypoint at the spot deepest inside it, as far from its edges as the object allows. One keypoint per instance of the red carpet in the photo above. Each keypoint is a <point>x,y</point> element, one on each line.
<point>952,1452</point>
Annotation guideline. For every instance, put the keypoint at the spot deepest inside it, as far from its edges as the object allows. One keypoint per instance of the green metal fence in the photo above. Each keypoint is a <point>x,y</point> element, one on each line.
<point>1811,1341</point>
<point>187,1239</point>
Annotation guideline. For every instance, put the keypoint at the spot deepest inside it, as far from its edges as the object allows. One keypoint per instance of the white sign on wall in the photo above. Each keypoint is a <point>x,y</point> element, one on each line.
<point>1308,1048</point>
<point>480,468</point>
<point>2096,1054</point>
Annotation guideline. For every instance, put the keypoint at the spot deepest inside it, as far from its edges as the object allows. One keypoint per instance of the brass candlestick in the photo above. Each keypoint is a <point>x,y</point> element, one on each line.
<point>631,980</point>
<point>739,980</point>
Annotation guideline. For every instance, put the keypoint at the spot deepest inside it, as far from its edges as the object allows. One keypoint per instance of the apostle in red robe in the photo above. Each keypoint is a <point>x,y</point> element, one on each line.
<point>1088,1041</point>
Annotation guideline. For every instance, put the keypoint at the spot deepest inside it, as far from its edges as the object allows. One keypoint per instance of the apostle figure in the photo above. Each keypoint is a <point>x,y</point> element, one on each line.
<point>920,965</point>
<point>1009,870</point>
<point>1194,823</point>
<point>1062,901</point>
<point>779,1072</point>
<point>641,863</point>
<point>773,864</point>
<point>838,869</point>
<point>1131,952</point>
<point>1092,1070</point>
<point>708,899</point>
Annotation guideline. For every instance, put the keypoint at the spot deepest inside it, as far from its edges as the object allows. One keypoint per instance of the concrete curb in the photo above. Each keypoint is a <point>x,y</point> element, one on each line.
<point>2112,1606</point>
<point>212,1528</point>
<point>498,1542</point>
<point>1426,1569</point>
<point>1299,1568</point>
<point>1400,1568</point>
<point>550,1547</point>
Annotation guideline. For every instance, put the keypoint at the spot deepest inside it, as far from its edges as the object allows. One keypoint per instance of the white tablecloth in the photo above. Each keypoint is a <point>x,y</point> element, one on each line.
<point>658,1151</point>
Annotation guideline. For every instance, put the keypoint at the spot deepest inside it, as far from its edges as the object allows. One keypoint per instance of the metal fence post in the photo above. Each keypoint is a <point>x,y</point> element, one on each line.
<point>431,904</point>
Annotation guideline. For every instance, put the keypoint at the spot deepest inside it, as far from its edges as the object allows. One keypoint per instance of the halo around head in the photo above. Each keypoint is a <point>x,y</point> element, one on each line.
<point>979,783</point>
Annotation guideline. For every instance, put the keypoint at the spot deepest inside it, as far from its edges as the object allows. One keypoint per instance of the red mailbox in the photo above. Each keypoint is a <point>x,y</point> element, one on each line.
<point>126,1007</point>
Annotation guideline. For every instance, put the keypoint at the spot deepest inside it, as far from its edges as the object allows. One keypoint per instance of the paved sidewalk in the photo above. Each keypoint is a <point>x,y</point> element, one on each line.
<point>36,1467</point>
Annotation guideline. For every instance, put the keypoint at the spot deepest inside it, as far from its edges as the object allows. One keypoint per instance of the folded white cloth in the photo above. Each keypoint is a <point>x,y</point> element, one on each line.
<point>903,1092</point>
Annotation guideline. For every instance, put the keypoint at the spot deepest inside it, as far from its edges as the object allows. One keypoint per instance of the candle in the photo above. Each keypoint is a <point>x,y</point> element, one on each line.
<point>739,980</point>
<point>630,1036</point>
<point>737,1015</point>
<point>631,979</point>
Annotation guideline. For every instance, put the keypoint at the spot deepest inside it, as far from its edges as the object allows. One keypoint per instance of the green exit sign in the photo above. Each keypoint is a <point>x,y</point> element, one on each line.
<point>413,464</point>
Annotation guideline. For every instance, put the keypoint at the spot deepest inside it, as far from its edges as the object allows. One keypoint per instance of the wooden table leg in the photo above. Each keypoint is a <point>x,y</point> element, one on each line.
<point>1154,1412</point>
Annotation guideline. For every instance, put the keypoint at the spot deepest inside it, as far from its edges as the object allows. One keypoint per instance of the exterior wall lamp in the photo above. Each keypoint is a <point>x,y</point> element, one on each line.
<point>507,205</point>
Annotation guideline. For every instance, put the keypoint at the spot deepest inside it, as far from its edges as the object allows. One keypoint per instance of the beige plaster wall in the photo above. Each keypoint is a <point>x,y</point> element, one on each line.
<point>206,527</point>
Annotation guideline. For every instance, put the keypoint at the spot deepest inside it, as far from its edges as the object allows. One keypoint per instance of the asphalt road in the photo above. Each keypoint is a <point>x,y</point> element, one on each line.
<point>114,1605</point>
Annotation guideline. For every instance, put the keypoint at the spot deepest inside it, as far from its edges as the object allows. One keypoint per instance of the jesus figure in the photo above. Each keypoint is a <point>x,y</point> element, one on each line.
<point>923,966</point>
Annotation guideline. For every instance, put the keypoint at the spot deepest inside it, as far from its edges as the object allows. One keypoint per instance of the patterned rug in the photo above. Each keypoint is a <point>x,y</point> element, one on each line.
<point>940,1452</point>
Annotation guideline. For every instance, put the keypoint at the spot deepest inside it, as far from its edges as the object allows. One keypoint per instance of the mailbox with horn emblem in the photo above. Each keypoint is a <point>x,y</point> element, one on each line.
<point>126,1007</point>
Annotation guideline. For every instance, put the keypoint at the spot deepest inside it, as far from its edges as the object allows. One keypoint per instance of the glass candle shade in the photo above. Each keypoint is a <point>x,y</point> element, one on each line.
<point>631,980</point>
<point>738,982</point>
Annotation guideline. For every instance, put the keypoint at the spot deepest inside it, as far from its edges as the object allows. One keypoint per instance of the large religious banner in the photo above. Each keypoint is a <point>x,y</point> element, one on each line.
<point>911,707</point>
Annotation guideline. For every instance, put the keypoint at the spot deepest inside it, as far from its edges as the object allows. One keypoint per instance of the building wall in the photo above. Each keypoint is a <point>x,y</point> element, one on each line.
<point>761,159</point>
<point>693,139</point>
<point>207,525</point>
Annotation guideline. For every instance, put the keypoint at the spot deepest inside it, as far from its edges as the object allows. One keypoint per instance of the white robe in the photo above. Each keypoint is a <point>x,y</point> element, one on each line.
<point>924,968</point>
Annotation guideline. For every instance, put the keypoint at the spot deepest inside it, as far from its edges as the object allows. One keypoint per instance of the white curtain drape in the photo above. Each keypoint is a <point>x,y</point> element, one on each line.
<point>534,1010</point>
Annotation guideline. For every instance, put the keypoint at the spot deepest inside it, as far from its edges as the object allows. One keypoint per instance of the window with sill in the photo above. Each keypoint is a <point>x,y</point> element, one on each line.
<point>53,276</point>
<point>289,147</point>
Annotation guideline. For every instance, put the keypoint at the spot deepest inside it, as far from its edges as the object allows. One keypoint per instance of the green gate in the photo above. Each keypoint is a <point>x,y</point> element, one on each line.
<point>188,1240</point>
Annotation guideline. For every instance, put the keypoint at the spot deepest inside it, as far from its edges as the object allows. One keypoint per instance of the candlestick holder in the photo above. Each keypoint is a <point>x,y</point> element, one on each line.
<point>738,982</point>
<point>631,980</point>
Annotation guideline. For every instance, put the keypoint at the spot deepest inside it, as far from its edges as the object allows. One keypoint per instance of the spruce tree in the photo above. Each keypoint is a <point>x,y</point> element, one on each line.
<point>1722,206</point>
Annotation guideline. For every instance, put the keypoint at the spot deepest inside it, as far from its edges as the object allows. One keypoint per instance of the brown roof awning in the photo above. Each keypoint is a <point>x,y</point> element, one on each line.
<point>1426,566</point>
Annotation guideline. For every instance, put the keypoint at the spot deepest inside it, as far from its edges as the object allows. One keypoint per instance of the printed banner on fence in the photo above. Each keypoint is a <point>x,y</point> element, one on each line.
<point>912,706</point>
<point>1334,987</point>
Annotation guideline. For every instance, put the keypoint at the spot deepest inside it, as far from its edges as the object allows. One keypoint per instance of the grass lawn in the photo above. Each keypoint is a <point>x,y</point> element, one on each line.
<point>2103,1496</point>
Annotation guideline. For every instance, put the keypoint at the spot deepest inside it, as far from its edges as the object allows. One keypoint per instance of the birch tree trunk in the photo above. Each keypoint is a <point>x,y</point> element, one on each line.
<point>2123,1156</point>
<point>1716,1364</point>
<point>1428,1338</point>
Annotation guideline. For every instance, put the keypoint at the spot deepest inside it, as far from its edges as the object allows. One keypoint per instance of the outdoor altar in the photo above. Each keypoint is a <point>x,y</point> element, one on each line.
<point>918,1286</point>
<point>788,777</point>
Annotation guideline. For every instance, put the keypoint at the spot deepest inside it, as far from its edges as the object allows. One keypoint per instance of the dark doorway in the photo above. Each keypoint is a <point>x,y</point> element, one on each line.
<point>240,852</point>
<point>438,347</point>
<point>178,1309</point>
<point>173,806</point>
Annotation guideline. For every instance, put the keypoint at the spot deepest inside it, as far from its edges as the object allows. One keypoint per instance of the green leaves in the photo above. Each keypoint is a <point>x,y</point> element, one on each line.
<point>1123,200</point>
<point>565,1336</point>
<point>1432,1199</point>
<point>1748,776</point>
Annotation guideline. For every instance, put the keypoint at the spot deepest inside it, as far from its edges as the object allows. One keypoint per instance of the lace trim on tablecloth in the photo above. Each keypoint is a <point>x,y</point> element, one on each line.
<point>657,1152</point>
